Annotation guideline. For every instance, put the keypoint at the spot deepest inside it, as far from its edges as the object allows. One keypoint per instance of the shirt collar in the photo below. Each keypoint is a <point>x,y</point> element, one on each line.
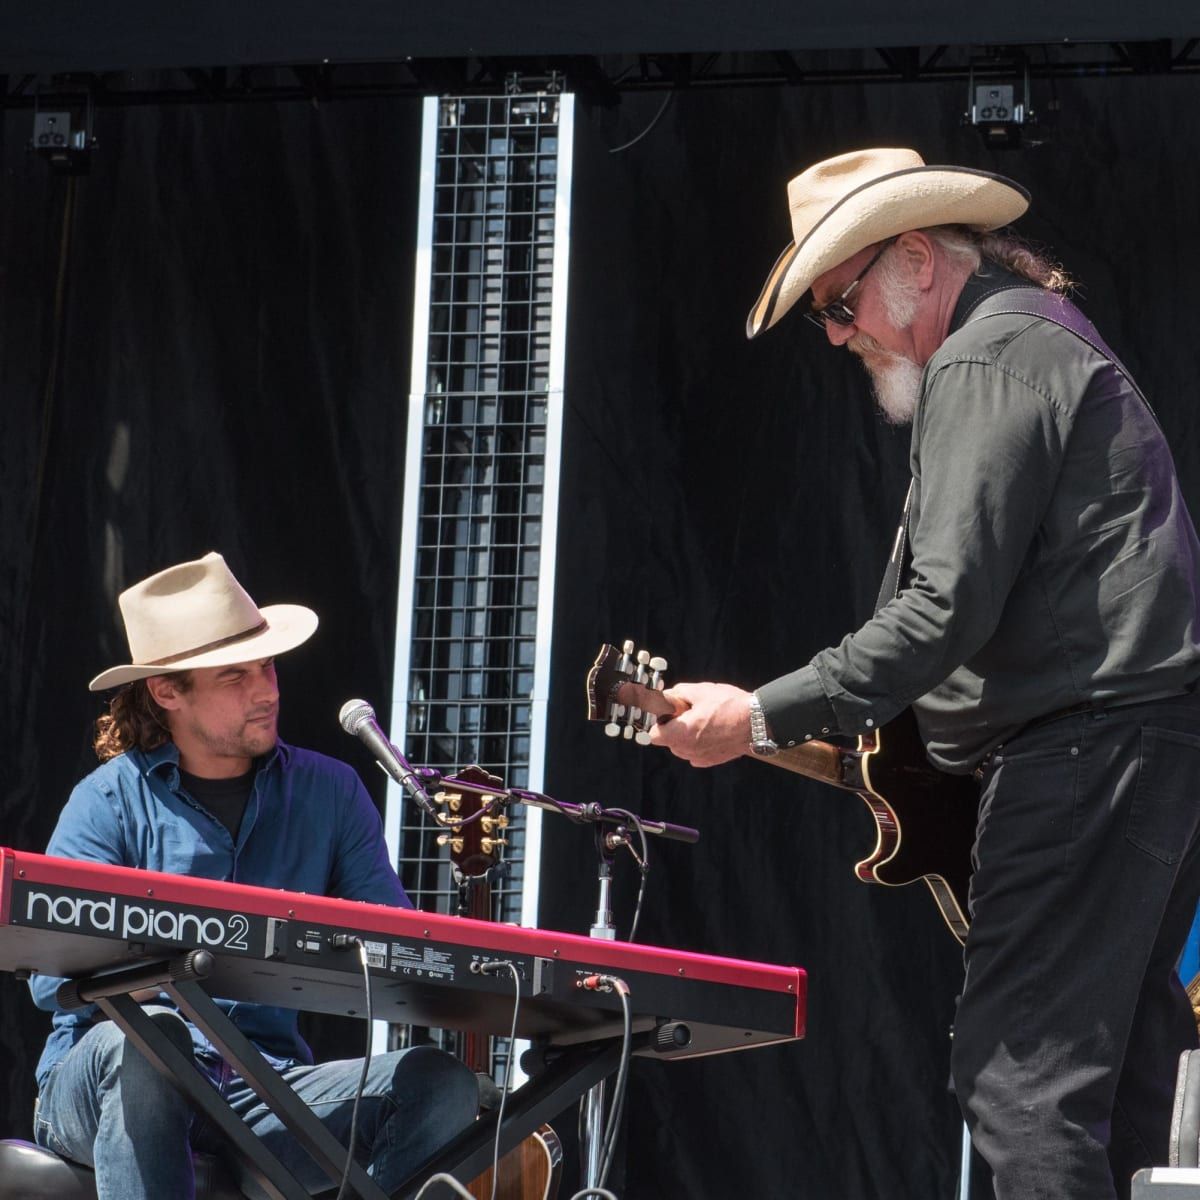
<point>164,761</point>
<point>161,760</point>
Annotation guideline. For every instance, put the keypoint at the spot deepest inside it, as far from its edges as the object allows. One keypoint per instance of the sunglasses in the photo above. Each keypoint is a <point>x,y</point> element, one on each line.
<point>837,311</point>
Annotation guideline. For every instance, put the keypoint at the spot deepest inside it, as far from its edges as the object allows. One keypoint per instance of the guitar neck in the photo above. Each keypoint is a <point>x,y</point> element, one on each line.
<point>815,759</point>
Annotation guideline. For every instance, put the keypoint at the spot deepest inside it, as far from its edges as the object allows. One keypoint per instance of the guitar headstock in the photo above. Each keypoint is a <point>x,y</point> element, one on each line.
<point>475,844</point>
<point>624,690</point>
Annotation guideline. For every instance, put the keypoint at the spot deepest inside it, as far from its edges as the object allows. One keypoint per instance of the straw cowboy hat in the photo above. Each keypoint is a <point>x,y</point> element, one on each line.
<point>198,615</point>
<point>846,203</point>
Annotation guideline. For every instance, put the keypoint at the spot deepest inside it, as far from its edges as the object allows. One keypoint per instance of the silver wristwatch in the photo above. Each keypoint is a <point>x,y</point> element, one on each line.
<point>760,736</point>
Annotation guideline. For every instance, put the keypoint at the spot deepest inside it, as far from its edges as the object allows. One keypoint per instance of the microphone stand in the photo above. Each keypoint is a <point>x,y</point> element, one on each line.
<point>611,831</point>
<point>602,927</point>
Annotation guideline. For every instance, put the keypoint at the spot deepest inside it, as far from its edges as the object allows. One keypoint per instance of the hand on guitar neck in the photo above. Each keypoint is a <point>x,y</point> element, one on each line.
<point>709,724</point>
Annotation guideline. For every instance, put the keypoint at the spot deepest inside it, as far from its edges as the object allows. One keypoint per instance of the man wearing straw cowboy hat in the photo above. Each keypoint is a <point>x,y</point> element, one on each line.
<point>195,781</point>
<point>1040,616</point>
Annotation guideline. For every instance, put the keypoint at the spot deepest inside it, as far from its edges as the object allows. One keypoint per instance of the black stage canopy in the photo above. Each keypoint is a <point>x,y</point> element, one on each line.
<point>66,35</point>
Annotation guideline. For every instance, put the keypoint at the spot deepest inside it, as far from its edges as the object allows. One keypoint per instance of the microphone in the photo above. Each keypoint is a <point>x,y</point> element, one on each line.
<point>358,718</point>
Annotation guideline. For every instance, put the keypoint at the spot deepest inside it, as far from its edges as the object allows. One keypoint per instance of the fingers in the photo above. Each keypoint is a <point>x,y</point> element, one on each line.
<point>711,727</point>
<point>679,699</point>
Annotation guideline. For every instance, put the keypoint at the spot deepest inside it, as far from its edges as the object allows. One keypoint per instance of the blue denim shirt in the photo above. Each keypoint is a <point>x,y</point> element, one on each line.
<point>309,826</point>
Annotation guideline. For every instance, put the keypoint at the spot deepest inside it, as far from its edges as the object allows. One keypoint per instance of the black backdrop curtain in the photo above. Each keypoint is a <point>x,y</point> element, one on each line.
<point>222,362</point>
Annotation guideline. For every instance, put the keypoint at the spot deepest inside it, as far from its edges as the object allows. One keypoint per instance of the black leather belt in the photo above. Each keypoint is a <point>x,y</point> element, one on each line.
<point>1085,707</point>
<point>1102,706</point>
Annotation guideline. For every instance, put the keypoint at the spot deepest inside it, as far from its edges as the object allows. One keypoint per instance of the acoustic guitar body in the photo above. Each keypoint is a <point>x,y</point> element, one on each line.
<point>530,1172</point>
<point>476,823</point>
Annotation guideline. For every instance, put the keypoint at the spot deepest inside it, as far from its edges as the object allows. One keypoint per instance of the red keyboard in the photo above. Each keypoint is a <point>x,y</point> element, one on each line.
<point>63,917</point>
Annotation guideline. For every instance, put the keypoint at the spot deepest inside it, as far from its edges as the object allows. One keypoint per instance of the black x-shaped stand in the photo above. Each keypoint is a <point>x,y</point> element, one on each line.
<point>544,1096</point>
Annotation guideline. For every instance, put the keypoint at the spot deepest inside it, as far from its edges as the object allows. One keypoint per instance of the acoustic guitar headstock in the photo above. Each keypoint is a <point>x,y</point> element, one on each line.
<point>624,690</point>
<point>475,842</point>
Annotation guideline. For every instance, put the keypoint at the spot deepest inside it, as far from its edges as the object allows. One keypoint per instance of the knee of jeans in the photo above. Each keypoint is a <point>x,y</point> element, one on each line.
<point>174,1026</point>
<point>176,1030</point>
<point>452,1087</point>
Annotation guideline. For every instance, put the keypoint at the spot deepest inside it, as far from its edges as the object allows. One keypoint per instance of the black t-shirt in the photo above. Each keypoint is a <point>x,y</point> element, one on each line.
<point>224,798</point>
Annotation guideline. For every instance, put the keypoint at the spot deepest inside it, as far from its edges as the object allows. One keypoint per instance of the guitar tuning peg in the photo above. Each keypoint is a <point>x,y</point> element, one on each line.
<point>658,663</point>
<point>612,729</point>
<point>627,732</point>
<point>642,738</point>
<point>487,844</point>
<point>643,657</point>
<point>625,662</point>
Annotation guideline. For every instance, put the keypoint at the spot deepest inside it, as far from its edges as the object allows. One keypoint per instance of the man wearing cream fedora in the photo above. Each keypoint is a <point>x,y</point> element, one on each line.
<point>1040,615</point>
<point>195,781</point>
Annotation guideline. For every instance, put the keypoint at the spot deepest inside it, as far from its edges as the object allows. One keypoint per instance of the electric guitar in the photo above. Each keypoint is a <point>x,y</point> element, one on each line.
<point>924,818</point>
<point>474,827</point>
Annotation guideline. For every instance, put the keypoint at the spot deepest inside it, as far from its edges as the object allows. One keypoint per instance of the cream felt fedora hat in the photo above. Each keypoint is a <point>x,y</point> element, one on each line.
<point>197,615</point>
<point>846,203</point>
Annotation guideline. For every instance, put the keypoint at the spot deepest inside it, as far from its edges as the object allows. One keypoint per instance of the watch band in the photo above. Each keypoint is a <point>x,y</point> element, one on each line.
<point>760,734</point>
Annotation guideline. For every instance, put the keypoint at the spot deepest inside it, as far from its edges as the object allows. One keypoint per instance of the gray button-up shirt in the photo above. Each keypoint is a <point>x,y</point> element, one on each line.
<point>1053,558</point>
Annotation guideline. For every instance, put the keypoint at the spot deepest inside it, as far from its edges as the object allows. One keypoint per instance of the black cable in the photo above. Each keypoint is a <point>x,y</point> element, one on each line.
<point>362,1079</point>
<point>643,865</point>
<point>490,968</point>
<point>609,1142</point>
<point>654,121</point>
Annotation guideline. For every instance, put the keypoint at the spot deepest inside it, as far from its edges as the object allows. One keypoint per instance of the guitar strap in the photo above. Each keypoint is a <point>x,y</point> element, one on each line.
<point>893,576</point>
<point>1021,301</point>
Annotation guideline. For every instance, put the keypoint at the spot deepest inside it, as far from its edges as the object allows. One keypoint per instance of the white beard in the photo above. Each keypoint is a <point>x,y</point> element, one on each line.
<point>895,380</point>
<point>897,387</point>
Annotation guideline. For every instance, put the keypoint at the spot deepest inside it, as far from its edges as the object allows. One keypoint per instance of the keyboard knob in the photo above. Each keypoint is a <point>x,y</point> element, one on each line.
<point>674,1035</point>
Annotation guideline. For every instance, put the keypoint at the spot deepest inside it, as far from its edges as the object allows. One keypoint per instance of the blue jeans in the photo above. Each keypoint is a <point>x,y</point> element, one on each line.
<point>105,1106</point>
<point>1072,1017</point>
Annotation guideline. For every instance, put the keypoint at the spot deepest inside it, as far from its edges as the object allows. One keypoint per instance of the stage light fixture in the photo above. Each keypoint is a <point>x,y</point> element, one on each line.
<point>998,107</point>
<point>63,137</point>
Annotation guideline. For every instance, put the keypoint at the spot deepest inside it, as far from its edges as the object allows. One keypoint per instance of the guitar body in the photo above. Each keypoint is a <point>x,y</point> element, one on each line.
<point>924,818</point>
<point>530,1172</point>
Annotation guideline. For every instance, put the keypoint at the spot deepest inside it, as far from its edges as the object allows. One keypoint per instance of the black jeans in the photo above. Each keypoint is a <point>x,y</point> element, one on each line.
<point>1072,1018</point>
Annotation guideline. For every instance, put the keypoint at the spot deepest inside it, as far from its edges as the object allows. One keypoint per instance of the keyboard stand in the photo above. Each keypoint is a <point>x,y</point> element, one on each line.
<point>569,1075</point>
<point>178,978</point>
